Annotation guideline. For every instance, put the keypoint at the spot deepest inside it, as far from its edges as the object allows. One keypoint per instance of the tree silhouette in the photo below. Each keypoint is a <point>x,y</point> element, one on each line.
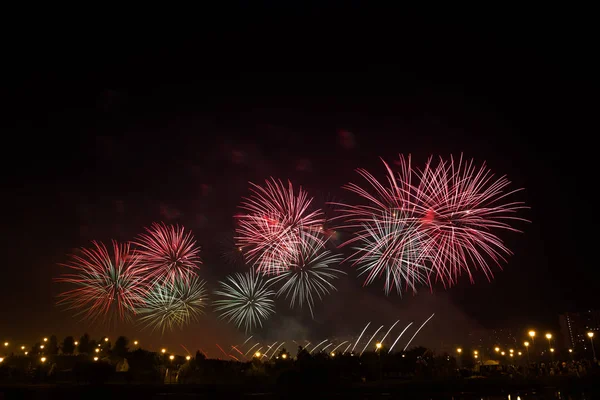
<point>52,346</point>
<point>35,350</point>
<point>68,345</point>
<point>200,356</point>
<point>85,346</point>
<point>120,349</point>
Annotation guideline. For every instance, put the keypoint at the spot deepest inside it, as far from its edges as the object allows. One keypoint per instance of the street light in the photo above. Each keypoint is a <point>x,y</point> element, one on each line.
<point>171,357</point>
<point>257,354</point>
<point>41,347</point>
<point>527,348</point>
<point>511,350</point>
<point>284,356</point>
<point>95,358</point>
<point>5,344</point>
<point>503,353</point>
<point>43,359</point>
<point>1,359</point>
<point>135,342</point>
<point>97,350</point>
<point>76,343</point>
<point>188,358</point>
<point>459,350</point>
<point>497,349</point>
<point>378,345</point>
<point>163,351</point>
<point>591,336</point>
<point>45,339</point>
<point>549,337</point>
<point>22,347</point>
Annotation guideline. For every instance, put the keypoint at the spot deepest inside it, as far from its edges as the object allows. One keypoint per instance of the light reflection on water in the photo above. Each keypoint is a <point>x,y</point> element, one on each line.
<point>463,396</point>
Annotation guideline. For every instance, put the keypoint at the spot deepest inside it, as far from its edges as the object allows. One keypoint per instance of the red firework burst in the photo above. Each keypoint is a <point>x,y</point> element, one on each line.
<point>453,209</point>
<point>106,285</point>
<point>167,252</point>
<point>460,207</point>
<point>273,224</point>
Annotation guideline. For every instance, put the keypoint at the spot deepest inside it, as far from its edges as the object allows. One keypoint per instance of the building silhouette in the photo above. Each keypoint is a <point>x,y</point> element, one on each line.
<point>575,327</point>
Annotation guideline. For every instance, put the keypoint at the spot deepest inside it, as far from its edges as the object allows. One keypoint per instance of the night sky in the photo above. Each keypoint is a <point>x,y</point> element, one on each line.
<point>105,133</point>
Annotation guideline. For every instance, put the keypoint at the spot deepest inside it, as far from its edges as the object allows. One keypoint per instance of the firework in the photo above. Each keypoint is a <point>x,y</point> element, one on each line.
<point>107,285</point>
<point>168,252</point>
<point>309,274</point>
<point>460,206</point>
<point>246,300</point>
<point>171,304</point>
<point>391,246</point>
<point>275,218</point>
<point>436,222</point>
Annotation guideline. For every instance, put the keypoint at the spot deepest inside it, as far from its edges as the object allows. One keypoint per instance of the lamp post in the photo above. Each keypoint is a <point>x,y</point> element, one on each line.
<point>459,351</point>
<point>591,336</point>
<point>378,346</point>
<point>527,348</point>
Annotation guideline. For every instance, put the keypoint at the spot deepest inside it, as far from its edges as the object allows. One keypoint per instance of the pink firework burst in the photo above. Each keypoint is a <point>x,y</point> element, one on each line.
<point>437,222</point>
<point>274,222</point>
<point>107,285</point>
<point>460,207</point>
<point>168,252</point>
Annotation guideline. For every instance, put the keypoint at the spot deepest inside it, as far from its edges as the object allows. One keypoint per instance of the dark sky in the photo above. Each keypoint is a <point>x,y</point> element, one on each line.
<point>106,132</point>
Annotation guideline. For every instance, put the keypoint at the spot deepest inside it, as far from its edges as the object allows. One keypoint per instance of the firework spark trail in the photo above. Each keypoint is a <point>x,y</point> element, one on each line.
<point>106,283</point>
<point>222,351</point>
<point>245,354</point>
<point>232,356</point>
<point>345,351</point>
<point>168,252</point>
<point>246,300</point>
<point>269,348</point>
<point>236,349</point>
<point>246,341</point>
<point>388,332</point>
<point>275,216</point>
<point>336,347</point>
<point>278,347</point>
<point>363,331</point>
<point>421,327</point>
<point>308,273</point>
<point>173,303</point>
<point>185,348</point>
<point>330,344</point>
<point>369,341</point>
<point>399,336</point>
<point>314,348</point>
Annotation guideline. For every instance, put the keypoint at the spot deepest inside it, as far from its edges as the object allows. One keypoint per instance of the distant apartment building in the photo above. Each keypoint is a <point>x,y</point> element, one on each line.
<point>575,327</point>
